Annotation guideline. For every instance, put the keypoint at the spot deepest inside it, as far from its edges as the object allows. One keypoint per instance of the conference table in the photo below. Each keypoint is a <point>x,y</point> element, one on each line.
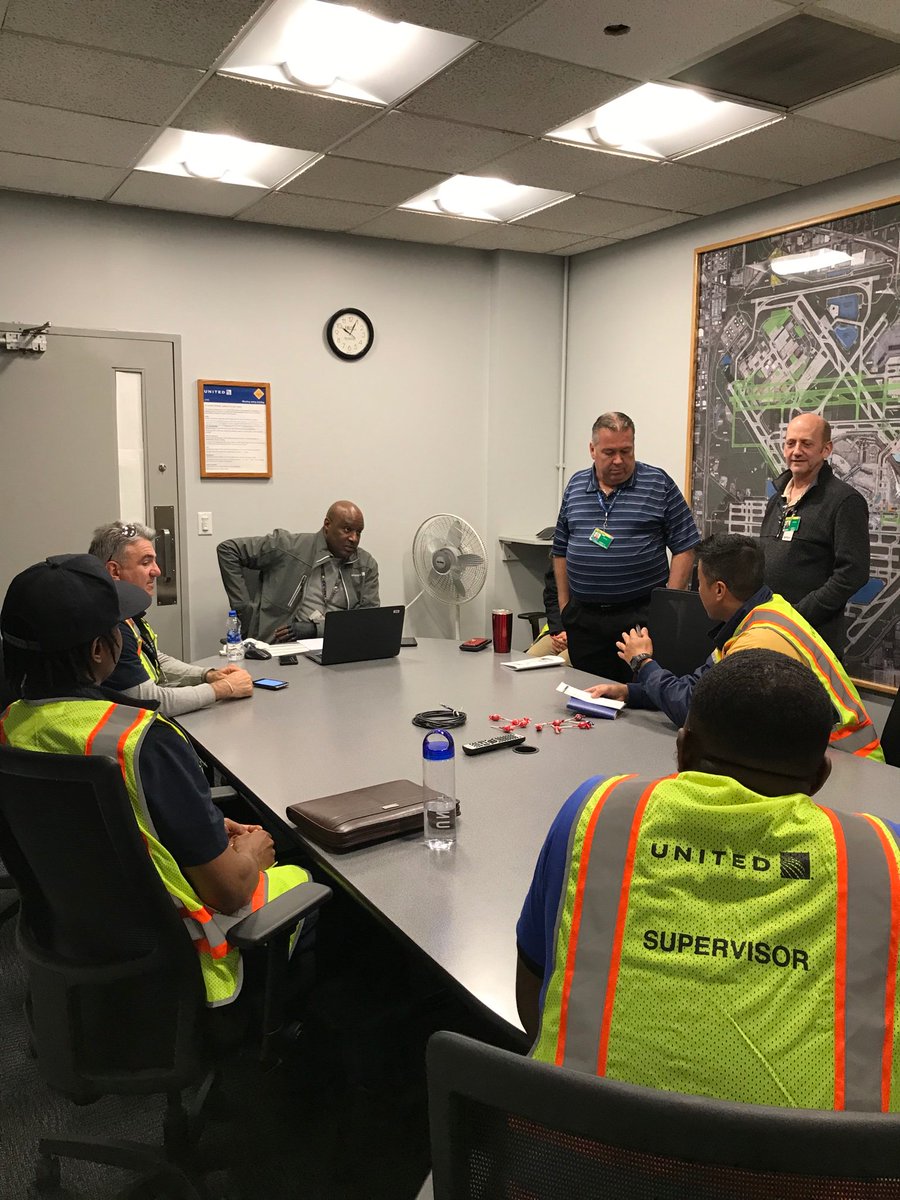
<point>334,729</point>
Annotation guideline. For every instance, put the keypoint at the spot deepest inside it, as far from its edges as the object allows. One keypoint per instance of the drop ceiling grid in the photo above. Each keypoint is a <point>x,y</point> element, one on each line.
<point>85,88</point>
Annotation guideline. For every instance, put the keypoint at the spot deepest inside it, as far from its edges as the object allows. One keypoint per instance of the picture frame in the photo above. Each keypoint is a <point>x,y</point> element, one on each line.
<point>235,429</point>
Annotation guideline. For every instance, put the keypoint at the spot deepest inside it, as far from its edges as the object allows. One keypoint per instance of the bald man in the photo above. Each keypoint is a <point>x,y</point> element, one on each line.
<point>815,532</point>
<point>302,576</point>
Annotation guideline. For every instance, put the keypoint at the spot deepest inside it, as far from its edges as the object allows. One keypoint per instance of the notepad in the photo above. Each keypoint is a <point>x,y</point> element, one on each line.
<point>534,664</point>
<point>579,700</point>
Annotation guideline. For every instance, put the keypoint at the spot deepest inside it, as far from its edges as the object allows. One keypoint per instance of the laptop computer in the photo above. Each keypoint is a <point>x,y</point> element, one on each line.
<point>360,635</point>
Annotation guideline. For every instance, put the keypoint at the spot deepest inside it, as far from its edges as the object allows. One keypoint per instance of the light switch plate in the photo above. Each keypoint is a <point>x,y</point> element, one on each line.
<point>204,524</point>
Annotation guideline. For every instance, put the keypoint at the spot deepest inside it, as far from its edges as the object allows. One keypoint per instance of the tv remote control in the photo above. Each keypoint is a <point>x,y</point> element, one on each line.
<point>495,743</point>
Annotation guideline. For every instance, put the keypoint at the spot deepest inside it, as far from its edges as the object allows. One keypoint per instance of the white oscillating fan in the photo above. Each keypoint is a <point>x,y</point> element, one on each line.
<point>449,558</point>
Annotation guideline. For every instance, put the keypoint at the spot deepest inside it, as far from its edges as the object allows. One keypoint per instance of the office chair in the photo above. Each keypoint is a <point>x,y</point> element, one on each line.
<point>890,737</point>
<point>250,626</point>
<point>680,630</point>
<point>505,1126</point>
<point>116,1003</point>
<point>535,620</point>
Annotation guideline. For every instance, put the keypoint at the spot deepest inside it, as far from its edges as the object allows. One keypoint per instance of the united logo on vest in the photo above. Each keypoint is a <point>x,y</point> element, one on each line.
<point>758,963</point>
<point>118,731</point>
<point>854,731</point>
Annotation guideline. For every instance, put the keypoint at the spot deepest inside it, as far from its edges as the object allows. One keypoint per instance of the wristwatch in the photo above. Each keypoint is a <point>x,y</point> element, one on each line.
<point>638,661</point>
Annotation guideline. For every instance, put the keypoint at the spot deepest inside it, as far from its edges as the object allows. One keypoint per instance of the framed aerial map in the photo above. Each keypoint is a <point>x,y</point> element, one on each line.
<point>821,335</point>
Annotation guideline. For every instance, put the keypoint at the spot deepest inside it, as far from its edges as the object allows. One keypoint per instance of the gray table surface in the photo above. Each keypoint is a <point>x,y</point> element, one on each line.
<point>339,728</point>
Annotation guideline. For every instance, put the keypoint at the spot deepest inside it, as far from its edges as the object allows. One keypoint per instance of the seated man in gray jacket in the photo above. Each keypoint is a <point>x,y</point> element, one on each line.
<point>144,672</point>
<point>302,576</point>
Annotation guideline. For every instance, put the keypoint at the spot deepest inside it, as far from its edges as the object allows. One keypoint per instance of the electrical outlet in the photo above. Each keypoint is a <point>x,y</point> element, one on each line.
<point>204,524</point>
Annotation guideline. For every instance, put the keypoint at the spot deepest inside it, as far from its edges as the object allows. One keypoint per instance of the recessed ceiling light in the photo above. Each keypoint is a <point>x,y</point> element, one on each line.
<point>484,198</point>
<point>223,158</point>
<point>810,260</point>
<point>660,121</point>
<point>338,49</point>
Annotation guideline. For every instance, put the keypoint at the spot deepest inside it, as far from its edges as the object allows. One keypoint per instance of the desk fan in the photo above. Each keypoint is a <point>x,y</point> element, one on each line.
<point>449,558</point>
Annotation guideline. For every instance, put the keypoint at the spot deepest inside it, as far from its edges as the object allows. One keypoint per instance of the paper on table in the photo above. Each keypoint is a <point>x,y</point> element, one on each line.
<point>278,649</point>
<point>579,694</point>
<point>533,664</point>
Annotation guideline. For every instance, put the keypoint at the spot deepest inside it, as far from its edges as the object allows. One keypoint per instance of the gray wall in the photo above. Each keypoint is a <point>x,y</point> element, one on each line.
<point>454,410</point>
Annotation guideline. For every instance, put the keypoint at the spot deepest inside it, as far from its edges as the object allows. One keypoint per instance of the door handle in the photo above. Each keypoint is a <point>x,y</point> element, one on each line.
<point>167,583</point>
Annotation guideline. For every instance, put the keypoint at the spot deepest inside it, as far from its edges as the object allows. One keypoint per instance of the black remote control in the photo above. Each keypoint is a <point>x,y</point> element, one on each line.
<point>500,742</point>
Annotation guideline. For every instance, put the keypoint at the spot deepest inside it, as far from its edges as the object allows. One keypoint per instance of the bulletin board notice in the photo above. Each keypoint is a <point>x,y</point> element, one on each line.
<point>235,429</point>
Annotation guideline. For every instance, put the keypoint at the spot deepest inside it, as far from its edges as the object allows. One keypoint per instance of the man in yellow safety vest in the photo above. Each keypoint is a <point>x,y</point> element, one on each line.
<point>730,573</point>
<point>61,640</point>
<point>717,932</point>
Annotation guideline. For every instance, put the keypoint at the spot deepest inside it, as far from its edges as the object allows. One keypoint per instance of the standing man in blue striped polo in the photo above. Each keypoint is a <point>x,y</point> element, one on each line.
<point>618,519</point>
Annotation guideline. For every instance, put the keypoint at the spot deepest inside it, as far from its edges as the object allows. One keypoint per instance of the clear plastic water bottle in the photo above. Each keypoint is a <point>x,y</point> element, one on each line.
<point>439,783</point>
<point>234,646</point>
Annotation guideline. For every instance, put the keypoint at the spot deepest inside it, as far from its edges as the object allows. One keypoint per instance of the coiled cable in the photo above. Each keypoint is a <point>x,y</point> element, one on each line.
<point>446,717</point>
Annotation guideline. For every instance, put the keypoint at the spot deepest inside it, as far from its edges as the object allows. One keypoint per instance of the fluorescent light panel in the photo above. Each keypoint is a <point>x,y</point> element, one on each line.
<point>660,121</point>
<point>223,158</point>
<point>338,50</point>
<point>484,199</point>
<point>809,260</point>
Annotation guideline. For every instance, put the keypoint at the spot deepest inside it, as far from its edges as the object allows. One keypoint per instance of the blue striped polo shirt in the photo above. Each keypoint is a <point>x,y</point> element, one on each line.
<point>645,515</point>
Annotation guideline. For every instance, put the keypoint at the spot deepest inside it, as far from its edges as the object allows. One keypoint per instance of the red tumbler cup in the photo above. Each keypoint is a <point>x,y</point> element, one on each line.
<point>501,629</point>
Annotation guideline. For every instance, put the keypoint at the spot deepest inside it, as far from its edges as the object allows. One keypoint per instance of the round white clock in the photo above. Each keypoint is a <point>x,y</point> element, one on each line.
<point>350,334</point>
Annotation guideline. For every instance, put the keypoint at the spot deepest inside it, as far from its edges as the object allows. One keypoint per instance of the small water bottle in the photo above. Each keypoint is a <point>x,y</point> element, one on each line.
<point>234,646</point>
<point>439,783</point>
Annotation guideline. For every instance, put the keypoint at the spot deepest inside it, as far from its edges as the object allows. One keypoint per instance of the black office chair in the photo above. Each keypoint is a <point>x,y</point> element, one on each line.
<point>250,623</point>
<point>535,621</point>
<point>116,1003</point>
<point>506,1126</point>
<point>890,736</point>
<point>680,630</point>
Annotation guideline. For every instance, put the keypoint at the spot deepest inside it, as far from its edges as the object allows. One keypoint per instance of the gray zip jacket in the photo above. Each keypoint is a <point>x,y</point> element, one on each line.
<point>290,573</point>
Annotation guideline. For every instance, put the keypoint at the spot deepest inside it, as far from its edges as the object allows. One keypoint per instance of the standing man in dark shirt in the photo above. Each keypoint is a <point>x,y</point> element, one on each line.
<point>618,518</point>
<point>815,532</point>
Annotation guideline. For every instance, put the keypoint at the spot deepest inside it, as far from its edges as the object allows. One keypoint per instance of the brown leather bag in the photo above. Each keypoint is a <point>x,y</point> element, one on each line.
<point>358,818</point>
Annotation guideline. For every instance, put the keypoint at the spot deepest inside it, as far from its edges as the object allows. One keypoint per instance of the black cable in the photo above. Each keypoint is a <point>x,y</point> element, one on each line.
<point>440,718</point>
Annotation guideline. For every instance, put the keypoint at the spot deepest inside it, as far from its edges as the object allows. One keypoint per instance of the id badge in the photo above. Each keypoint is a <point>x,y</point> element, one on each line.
<point>601,538</point>
<point>791,525</point>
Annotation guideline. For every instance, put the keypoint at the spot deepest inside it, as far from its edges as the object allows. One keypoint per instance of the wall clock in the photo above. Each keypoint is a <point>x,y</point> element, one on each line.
<point>350,334</point>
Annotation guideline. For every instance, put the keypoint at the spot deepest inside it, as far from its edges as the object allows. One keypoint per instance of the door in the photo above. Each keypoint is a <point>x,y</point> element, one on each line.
<point>87,436</point>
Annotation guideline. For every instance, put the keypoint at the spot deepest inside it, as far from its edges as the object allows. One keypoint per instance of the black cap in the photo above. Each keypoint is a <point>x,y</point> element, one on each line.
<point>66,601</point>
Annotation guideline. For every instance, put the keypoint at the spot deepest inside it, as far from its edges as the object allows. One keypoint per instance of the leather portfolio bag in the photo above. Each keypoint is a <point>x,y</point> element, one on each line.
<point>357,818</point>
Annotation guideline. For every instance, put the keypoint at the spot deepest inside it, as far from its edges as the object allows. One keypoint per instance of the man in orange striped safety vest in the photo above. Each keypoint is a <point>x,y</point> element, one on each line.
<point>61,640</point>
<point>717,932</point>
<point>730,573</point>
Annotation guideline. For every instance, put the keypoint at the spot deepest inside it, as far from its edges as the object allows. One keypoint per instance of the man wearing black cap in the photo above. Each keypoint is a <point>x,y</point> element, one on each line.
<point>61,640</point>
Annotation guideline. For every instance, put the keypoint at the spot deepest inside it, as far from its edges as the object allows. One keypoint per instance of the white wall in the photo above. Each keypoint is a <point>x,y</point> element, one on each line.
<point>631,317</point>
<point>454,409</point>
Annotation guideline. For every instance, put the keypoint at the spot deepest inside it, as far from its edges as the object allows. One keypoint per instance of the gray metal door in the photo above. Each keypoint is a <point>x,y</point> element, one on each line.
<point>87,435</point>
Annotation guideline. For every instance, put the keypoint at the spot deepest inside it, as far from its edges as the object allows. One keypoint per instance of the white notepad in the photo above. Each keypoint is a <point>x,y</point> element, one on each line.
<point>534,664</point>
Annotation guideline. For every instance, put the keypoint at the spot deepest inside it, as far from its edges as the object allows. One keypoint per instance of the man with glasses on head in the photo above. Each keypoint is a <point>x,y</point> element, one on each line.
<point>144,672</point>
<point>302,576</point>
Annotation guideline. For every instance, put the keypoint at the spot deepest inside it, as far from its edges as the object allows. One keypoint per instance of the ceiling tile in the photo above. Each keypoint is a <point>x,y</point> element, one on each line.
<point>798,151</point>
<point>191,32</point>
<point>149,189</point>
<point>880,15</point>
<point>77,137</point>
<point>471,18</point>
<point>515,237</point>
<point>583,247</point>
<point>666,221</point>
<point>870,108</point>
<point>418,227</point>
<point>27,173</point>
<point>795,61</point>
<point>663,37</point>
<point>689,189</point>
<point>92,81</point>
<point>372,183</point>
<point>408,141</point>
<point>309,212</point>
<point>276,116</point>
<point>585,215</point>
<point>509,89</point>
<point>563,168</point>
<point>4,4</point>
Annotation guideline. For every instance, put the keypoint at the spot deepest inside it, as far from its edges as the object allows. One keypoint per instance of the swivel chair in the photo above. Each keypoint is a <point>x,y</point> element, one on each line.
<point>680,630</point>
<point>116,1003</point>
<point>506,1126</point>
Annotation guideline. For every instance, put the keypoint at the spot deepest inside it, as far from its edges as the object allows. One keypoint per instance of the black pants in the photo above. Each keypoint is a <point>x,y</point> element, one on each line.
<point>594,629</point>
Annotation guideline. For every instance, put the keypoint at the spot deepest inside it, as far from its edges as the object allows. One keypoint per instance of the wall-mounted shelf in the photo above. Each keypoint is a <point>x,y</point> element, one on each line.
<point>510,542</point>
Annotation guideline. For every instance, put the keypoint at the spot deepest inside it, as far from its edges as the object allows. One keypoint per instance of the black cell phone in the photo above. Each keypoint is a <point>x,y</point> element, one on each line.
<point>270,685</point>
<point>475,644</point>
<point>288,660</point>
<point>408,641</point>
